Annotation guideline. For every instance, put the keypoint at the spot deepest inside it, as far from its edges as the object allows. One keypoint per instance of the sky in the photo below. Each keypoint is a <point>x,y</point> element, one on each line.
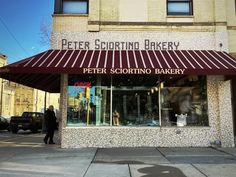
<point>20,22</point>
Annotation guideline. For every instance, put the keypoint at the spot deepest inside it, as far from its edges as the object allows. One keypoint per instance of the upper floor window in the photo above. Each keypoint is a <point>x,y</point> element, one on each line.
<point>75,6</point>
<point>179,7</point>
<point>235,5</point>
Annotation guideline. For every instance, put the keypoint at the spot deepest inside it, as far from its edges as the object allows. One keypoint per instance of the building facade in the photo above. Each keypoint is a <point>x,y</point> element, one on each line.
<point>167,108</point>
<point>32,100</point>
<point>134,73</point>
<point>6,93</point>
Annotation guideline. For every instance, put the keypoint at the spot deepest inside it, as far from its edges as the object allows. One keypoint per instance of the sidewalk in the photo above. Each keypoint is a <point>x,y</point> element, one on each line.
<point>41,160</point>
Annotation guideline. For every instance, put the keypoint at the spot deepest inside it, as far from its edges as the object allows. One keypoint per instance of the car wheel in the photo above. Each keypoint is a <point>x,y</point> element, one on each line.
<point>34,130</point>
<point>14,130</point>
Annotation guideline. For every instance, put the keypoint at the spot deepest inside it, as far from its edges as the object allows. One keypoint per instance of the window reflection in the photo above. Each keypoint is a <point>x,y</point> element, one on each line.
<point>184,101</point>
<point>88,102</point>
<point>133,100</point>
<point>149,100</point>
<point>136,106</point>
<point>75,7</point>
<point>179,7</point>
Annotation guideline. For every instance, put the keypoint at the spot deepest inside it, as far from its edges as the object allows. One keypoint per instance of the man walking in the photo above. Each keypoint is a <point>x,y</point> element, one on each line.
<point>50,123</point>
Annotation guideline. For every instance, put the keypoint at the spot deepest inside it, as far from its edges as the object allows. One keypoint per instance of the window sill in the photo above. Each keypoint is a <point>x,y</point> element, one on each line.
<point>135,127</point>
<point>180,18</point>
<point>70,15</point>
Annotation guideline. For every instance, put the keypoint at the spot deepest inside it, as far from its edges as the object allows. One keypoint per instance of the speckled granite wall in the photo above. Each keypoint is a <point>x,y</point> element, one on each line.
<point>63,103</point>
<point>160,136</point>
<point>226,115</point>
<point>135,137</point>
<point>213,104</point>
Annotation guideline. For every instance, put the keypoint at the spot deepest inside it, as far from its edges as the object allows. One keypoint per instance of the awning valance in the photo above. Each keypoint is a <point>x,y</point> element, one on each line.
<point>54,62</point>
<point>156,62</point>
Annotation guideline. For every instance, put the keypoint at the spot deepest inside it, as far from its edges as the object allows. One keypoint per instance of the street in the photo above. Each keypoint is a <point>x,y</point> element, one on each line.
<point>24,155</point>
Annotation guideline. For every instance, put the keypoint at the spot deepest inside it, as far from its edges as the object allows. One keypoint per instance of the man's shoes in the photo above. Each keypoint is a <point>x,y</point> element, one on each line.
<point>45,141</point>
<point>51,143</point>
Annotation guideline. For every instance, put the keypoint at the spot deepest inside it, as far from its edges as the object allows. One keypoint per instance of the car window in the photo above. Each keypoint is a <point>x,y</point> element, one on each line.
<point>26,114</point>
<point>3,120</point>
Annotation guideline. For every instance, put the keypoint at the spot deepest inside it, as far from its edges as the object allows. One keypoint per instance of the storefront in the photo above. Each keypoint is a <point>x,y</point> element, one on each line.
<point>159,75</point>
<point>113,98</point>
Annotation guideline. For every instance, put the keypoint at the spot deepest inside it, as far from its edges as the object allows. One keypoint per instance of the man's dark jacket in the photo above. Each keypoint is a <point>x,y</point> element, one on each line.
<point>50,120</point>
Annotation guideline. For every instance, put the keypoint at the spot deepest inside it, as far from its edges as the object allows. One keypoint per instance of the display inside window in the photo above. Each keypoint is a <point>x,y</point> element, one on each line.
<point>137,100</point>
<point>133,100</point>
<point>75,7</point>
<point>184,101</point>
<point>179,7</point>
<point>88,102</point>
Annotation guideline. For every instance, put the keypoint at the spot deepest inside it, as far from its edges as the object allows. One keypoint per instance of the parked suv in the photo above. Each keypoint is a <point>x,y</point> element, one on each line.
<point>28,121</point>
<point>4,124</point>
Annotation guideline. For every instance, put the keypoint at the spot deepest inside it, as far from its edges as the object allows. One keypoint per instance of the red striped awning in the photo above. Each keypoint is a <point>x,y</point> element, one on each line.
<point>199,62</point>
<point>43,70</point>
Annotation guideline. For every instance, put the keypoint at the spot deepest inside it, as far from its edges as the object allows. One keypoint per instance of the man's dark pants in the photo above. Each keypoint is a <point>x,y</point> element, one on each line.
<point>49,134</point>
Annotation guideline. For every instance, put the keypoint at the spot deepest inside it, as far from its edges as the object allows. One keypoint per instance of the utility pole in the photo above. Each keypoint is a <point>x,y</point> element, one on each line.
<point>45,107</point>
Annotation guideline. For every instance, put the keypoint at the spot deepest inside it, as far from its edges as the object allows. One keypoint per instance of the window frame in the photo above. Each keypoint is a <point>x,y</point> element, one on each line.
<point>190,3</point>
<point>87,10</point>
<point>235,6</point>
<point>168,100</point>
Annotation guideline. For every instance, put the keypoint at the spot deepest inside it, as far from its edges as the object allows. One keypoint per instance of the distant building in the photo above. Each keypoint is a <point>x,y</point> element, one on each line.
<point>6,93</point>
<point>30,99</point>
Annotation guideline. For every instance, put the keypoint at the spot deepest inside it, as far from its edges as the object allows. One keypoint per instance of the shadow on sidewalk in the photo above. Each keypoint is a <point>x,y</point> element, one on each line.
<point>163,171</point>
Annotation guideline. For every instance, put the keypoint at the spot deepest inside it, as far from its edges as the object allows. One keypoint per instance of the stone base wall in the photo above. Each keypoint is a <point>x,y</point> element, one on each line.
<point>136,137</point>
<point>226,114</point>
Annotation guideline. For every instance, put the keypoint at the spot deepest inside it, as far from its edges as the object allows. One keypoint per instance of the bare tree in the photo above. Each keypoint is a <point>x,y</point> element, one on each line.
<point>45,33</point>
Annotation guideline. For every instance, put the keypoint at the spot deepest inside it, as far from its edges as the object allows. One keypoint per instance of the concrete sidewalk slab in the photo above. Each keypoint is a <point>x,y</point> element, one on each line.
<point>197,155</point>
<point>191,152</point>
<point>126,151</point>
<point>202,159</point>
<point>165,170</point>
<point>108,170</point>
<point>231,151</point>
<point>217,170</point>
<point>47,162</point>
<point>130,156</point>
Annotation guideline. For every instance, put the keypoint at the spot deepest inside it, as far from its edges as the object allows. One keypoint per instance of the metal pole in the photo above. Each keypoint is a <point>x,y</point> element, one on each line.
<point>159,99</point>
<point>111,104</point>
<point>45,101</point>
<point>45,106</point>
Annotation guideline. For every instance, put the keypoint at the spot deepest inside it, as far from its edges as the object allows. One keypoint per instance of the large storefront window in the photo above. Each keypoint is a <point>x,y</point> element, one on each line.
<point>88,101</point>
<point>141,100</point>
<point>133,100</point>
<point>184,101</point>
